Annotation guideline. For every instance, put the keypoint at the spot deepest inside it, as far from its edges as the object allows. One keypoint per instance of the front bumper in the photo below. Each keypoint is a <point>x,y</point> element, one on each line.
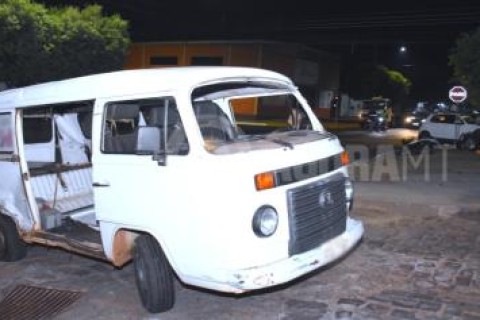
<point>239,281</point>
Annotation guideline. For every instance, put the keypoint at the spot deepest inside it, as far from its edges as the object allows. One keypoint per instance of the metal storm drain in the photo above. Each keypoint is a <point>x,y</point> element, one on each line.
<point>35,303</point>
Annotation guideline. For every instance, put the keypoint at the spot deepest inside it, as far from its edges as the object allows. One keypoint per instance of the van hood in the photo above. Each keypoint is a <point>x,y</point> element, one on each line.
<point>287,139</point>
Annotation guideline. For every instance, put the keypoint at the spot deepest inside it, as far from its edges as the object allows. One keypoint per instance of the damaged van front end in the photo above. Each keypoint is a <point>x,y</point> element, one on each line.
<point>278,193</point>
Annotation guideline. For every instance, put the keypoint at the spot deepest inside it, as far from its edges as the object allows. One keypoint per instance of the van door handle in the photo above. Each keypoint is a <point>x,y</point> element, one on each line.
<point>101,184</point>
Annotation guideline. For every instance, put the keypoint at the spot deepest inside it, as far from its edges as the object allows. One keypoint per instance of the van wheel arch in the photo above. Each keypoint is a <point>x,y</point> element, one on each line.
<point>123,244</point>
<point>12,247</point>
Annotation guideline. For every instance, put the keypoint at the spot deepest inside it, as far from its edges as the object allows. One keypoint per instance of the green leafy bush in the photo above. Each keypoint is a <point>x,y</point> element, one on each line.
<point>39,44</point>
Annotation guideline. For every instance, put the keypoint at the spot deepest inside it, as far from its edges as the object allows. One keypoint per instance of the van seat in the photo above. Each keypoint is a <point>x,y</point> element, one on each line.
<point>64,191</point>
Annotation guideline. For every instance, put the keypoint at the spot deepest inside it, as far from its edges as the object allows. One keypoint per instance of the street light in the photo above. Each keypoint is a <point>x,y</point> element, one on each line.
<point>403,49</point>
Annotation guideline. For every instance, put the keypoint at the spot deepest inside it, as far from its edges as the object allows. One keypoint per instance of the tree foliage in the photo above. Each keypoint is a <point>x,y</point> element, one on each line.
<point>368,80</point>
<point>39,44</point>
<point>465,60</point>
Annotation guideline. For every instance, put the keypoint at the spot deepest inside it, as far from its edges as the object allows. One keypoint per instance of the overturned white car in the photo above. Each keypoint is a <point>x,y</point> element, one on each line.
<point>463,131</point>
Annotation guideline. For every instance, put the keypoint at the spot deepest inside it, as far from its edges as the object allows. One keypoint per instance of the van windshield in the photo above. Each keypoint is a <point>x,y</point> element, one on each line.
<point>245,112</point>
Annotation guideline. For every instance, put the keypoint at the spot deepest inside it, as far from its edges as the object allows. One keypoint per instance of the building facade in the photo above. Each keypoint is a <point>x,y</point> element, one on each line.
<point>316,73</point>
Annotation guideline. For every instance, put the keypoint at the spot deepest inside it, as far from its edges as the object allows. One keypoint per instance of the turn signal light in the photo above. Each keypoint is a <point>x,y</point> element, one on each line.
<point>345,158</point>
<point>265,180</point>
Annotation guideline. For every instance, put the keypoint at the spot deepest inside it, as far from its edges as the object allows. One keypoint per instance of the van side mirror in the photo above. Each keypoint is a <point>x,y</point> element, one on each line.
<point>149,142</point>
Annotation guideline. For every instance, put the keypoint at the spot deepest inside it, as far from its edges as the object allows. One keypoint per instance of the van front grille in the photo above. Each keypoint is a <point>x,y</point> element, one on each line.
<point>317,213</point>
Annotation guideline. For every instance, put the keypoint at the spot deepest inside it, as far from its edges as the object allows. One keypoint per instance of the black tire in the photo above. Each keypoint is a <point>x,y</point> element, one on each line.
<point>469,143</point>
<point>424,135</point>
<point>12,248</point>
<point>153,275</point>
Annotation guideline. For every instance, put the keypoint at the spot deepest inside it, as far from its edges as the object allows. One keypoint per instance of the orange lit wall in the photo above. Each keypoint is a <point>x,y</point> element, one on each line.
<point>245,107</point>
<point>135,57</point>
<point>244,55</point>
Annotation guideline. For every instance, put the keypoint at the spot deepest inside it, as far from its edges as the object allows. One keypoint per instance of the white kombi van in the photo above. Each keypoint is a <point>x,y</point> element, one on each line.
<point>220,175</point>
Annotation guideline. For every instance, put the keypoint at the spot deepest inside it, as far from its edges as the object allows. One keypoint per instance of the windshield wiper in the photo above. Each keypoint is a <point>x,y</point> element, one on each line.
<point>281,142</point>
<point>275,140</point>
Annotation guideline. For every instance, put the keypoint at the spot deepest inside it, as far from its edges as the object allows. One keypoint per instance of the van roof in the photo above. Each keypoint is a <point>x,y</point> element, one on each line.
<point>127,82</point>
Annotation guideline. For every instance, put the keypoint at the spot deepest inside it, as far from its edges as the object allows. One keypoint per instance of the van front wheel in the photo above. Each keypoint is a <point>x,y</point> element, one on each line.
<point>153,275</point>
<point>12,248</point>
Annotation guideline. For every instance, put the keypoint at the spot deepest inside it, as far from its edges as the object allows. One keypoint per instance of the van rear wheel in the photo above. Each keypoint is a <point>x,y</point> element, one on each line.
<point>153,275</point>
<point>12,248</point>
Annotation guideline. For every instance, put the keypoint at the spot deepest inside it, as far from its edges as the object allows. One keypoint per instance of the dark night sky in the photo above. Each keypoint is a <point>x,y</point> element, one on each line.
<point>364,30</point>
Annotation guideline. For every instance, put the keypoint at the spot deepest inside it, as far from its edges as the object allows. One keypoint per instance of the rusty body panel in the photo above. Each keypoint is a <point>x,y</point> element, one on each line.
<point>91,249</point>
<point>123,244</point>
<point>123,247</point>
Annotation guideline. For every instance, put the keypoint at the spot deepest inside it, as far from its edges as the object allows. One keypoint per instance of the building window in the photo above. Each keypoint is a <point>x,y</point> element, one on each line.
<point>206,61</point>
<point>163,61</point>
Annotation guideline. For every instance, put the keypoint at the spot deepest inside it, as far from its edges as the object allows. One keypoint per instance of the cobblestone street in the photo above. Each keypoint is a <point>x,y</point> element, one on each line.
<point>415,262</point>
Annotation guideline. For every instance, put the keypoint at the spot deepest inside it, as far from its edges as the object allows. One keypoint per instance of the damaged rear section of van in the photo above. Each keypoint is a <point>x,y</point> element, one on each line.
<point>222,176</point>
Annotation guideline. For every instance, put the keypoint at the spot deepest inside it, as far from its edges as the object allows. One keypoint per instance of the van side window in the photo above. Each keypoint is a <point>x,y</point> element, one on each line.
<point>53,134</point>
<point>123,119</point>
<point>6,133</point>
<point>37,128</point>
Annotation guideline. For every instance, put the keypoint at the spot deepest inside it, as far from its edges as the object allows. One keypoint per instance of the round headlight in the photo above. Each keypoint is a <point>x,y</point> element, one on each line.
<point>265,221</point>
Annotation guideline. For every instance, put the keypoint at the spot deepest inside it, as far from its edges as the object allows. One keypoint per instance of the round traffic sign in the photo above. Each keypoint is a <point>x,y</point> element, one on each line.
<point>457,94</point>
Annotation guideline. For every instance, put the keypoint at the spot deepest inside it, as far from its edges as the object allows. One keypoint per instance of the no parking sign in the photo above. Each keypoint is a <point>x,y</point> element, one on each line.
<point>457,94</point>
